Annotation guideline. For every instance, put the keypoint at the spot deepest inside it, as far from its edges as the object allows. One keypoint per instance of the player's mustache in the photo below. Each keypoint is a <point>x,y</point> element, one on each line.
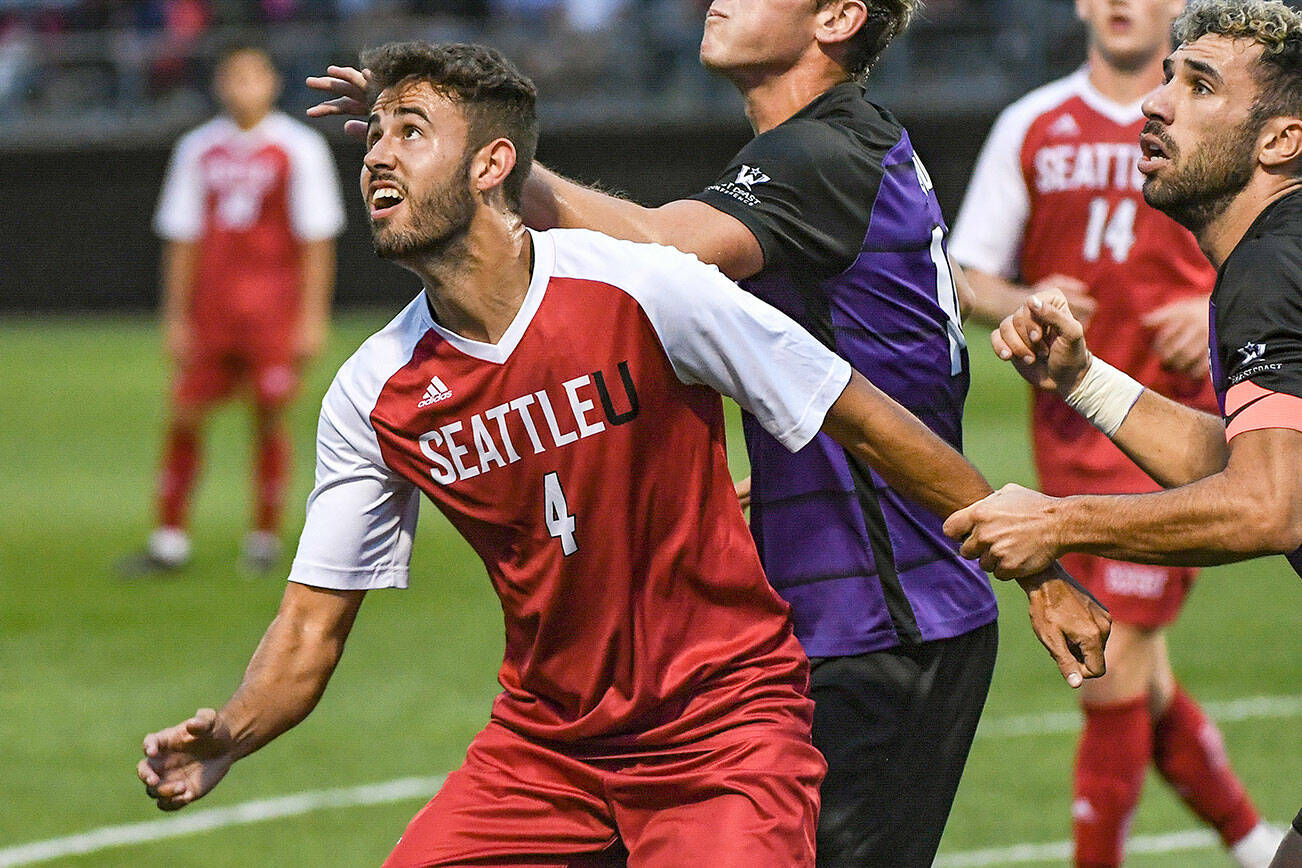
<point>1156,130</point>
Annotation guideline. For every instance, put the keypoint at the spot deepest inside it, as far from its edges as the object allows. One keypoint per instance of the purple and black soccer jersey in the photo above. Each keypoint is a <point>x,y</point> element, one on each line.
<point>854,250</point>
<point>1256,327</point>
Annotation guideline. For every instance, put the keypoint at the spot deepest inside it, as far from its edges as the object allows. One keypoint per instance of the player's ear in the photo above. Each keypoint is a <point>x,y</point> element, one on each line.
<point>492,164</point>
<point>839,20</point>
<point>1279,145</point>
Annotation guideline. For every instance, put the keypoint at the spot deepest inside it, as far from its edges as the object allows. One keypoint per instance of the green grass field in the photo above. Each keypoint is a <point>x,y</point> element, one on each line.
<point>88,663</point>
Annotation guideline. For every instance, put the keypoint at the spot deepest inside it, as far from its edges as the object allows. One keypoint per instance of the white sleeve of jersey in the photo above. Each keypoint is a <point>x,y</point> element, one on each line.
<point>315,206</point>
<point>179,215</point>
<point>717,334</point>
<point>988,232</point>
<point>361,516</point>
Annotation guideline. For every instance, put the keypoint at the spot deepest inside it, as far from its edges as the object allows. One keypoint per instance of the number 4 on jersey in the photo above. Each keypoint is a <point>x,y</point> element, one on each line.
<point>560,524</point>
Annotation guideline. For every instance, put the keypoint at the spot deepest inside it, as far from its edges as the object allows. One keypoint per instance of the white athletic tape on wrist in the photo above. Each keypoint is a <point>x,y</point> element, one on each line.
<point>1105,396</point>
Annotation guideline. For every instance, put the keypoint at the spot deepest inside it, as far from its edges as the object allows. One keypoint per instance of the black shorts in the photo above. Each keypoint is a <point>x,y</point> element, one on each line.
<point>896,727</point>
<point>1297,822</point>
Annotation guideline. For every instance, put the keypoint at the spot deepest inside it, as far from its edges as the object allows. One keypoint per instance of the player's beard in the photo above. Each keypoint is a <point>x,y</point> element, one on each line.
<point>437,220</point>
<point>1197,190</point>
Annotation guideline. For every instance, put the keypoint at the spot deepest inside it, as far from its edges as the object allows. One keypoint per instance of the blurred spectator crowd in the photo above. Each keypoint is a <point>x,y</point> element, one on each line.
<point>104,68</point>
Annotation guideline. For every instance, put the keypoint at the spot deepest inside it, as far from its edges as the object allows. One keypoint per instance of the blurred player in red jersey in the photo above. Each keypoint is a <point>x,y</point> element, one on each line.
<point>1055,202</point>
<point>248,213</point>
<point>556,395</point>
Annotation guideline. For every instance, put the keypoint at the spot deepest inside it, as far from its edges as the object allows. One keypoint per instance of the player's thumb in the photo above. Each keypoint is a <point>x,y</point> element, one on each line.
<point>959,524</point>
<point>203,722</point>
<point>1053,310</point>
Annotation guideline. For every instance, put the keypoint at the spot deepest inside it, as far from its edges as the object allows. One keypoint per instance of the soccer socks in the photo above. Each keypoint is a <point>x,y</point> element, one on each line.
<point>1189,752</point>
<point>1111,759</point>
<point>272,470</point>
<point>176,482</point>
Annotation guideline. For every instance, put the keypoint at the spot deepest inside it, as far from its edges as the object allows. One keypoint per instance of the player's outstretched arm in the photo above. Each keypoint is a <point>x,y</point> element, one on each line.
<point>551,201</point>
<point>995,297</point>
<point>917,463</point>
<point>1251,508</point>
<point>283,682</point>
<point>1173,443</point>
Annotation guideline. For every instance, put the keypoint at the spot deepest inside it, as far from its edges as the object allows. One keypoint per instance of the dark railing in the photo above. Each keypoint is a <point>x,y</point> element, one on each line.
<point>82,72</point>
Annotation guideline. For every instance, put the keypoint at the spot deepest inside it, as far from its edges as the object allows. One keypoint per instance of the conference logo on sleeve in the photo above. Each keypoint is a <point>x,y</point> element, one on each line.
<point>1250,360</point>
<point>747,178</point>
<point>1249,353</point>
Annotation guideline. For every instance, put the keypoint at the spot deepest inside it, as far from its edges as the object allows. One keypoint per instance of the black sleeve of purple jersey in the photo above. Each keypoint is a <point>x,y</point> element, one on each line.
<point>1258,302</point>
<point>804,191</point>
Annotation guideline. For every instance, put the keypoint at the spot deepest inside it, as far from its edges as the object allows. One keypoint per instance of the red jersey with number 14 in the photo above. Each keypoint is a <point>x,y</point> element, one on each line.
<point>583,457</point>
<point>1057,190</point>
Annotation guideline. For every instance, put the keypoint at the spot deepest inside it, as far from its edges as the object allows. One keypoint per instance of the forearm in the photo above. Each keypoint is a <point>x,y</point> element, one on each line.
<point>1227,517</point>
<point>287,674</point>
<point>992,297</point>
<point>1172,443</point>
<point>906,453</point>
<point>177,278</point>
<point>317,279</point>
<point>551,201</point>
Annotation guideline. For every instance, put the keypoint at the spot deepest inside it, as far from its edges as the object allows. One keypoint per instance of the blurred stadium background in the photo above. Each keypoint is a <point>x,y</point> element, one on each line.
<point>92,95</point>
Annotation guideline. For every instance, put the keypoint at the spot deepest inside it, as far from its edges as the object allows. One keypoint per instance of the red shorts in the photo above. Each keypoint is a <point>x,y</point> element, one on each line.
<point>214,373</point>
<point>747,799</point>
<point>1142,595</point>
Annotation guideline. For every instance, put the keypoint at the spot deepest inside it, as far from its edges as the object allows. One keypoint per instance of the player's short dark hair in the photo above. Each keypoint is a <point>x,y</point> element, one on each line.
<point>232,47</point>
<point>886,20</point>
<point>499,101</point>
<point>1272,24</point>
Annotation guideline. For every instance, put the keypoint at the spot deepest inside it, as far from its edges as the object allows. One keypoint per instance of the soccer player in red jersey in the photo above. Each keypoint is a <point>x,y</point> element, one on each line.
<point>248,212</point>
<point>1222,155</point>
<point>556,395</point>
<point>1055,202</point>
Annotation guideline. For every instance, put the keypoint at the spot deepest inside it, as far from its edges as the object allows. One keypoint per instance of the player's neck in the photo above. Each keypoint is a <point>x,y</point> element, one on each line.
<point>1219,237</point>
<point>1124,85</point>
<point>247,122</point>
<point>477,286</point>
<point>772,99</point>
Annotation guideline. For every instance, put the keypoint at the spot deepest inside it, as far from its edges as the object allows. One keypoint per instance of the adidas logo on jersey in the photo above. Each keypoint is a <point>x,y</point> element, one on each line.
<point>1065,126</point>
<point>434,393</point>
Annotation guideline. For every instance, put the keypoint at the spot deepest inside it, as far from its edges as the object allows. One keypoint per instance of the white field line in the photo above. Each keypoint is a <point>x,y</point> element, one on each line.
<point>1060,851</point>
<point>194,821</point>
<point>1062,722</point>
<point>205,820</point>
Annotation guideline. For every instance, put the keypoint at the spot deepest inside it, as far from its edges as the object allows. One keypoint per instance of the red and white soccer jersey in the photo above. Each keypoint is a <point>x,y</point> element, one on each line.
<point>1057,189</point>
<point>583,458</point>
<point>249,198</point>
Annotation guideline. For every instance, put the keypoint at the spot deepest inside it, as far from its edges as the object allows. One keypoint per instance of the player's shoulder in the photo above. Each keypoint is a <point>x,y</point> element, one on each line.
<point>291,132</point>
<point>209,133</point>
<point>361,378</point>
<point>590,255</point>
<point>1022,113</point>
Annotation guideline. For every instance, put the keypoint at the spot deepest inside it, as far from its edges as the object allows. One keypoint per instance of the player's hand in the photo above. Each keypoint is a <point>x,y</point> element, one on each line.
<point>185,761</point>
<point>1013,532</point>
<point>1044,342</point>
<point>1082,304</point>
<point>742,487</point>
<point>350,87</point>
<point>1069,622</point>
<point>1180,335</point>
<point>178,338</point>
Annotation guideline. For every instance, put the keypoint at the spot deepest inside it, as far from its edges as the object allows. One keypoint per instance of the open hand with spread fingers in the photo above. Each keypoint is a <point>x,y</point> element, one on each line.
<point>351,102</point>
